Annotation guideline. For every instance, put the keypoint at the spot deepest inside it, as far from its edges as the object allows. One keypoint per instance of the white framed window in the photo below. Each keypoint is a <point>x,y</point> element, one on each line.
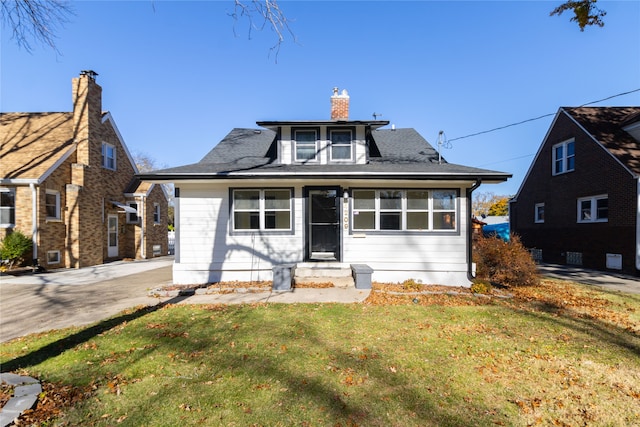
<point>404,210</point>
<point>132,217</point>
<point>108,156</point>
<point>262,209</point>
<point>593,209</point>
<point>341,144</point>
<point>156,213</point>
<point>7,207</point>
<point>53,257</point>
<point>52,205</point>
<point>305,144</point>
<point>564,157</point>
<point>539,213</point>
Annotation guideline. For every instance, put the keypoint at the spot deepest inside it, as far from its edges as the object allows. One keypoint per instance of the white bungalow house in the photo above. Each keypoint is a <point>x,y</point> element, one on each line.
<point>329,192</point>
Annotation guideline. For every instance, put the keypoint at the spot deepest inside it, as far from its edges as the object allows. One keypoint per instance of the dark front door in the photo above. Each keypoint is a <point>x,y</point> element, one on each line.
<point>323,229</point>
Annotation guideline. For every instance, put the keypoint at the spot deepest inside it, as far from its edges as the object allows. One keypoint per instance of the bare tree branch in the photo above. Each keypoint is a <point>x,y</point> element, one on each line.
<point>585,12</point>
<point>261,14</point>
<point>35,20</point>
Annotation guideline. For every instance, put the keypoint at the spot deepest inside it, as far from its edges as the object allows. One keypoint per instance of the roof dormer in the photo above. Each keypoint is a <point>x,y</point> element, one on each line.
<point>335,141</point>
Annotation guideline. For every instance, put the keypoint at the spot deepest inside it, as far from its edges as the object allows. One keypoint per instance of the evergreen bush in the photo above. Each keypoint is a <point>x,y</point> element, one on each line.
<point>15,248</point>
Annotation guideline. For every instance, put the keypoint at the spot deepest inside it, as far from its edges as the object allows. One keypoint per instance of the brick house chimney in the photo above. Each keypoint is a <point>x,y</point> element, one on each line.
<point>340,105</point>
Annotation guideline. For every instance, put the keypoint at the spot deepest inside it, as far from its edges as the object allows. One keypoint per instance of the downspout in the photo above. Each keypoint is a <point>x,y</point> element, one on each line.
<point>34,223</point>
<point>143,220</point>
<point>638,226</point>
<point>470,274</point>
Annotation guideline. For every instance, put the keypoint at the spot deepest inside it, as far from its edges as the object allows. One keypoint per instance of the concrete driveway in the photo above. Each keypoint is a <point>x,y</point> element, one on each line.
<point>58,299</point>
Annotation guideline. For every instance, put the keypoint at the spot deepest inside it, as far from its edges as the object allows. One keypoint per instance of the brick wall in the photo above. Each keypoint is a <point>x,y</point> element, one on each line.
<point>596,173</point>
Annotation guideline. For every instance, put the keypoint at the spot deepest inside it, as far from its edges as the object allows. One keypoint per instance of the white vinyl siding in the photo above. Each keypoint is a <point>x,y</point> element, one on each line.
<point>209,249</point>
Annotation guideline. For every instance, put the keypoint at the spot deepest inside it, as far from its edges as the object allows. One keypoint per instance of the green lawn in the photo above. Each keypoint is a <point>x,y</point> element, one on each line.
<point>571,358</point>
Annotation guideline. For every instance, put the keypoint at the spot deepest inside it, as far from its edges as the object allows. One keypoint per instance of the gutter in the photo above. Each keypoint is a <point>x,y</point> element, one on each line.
<point>470,274</point>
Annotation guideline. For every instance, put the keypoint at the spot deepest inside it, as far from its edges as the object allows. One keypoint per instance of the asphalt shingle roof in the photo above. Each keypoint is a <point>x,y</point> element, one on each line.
<point>32,143</point>
<point>606,124</point>
<point>250,152</point>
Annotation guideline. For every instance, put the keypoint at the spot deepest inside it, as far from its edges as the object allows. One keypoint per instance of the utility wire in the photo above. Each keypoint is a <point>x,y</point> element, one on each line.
<point>539,117</point>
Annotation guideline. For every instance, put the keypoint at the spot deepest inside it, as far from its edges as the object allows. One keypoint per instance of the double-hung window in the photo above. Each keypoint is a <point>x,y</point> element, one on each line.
<point>341,144</point>
<point>564,157</point>
<point>7,207</point>
<point>306,144</point>
<point>156,213</point>
<point>108,156</point>
<point>52,204</point>
<point>593,209</point>
<point>265,209</point>
<point>410,210</point>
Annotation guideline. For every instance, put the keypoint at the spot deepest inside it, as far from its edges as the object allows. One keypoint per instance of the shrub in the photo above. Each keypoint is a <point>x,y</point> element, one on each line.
<point>505,263</point>
<point>480,287</point>
<point>15,248</point>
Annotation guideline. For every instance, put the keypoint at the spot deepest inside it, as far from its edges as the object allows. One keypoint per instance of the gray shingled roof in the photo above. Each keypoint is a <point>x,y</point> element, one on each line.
<point>403,153</point>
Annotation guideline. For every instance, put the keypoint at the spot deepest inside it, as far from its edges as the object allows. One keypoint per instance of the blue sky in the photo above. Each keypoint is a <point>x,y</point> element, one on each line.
<point>177,76</point>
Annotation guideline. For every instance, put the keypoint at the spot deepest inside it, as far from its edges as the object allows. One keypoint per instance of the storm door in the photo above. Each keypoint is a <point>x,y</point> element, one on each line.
<point>323,227</point>
<point>112,236</point>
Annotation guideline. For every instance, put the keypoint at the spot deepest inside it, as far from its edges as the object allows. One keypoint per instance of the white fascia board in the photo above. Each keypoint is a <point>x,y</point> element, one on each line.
<point>108,117</point>
<point>19,181</point>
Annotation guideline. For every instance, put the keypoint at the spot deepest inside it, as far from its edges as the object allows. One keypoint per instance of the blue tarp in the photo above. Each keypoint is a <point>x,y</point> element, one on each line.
<point>500,231</point>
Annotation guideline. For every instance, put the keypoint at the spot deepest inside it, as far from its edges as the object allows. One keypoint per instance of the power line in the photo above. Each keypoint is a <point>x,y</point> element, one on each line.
<point>539,117</point>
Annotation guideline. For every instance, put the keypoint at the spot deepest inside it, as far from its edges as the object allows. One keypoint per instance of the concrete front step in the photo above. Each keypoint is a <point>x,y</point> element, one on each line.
<point>338,282</point>
<point>327,272</point>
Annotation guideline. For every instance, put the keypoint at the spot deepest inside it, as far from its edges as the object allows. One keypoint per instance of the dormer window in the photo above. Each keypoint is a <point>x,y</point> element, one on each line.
<point>306,144</point>
<point>341,144</point>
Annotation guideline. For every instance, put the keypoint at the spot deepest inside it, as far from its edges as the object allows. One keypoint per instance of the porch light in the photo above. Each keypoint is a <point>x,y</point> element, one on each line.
<point>345,196</point>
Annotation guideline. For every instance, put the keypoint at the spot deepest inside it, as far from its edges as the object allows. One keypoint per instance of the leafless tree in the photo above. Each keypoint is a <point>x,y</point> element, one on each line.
<point>263,13</point>
<point>35,20</point>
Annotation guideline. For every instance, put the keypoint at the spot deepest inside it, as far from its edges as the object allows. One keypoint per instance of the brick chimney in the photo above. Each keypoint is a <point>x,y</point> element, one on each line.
<point>340,105</point>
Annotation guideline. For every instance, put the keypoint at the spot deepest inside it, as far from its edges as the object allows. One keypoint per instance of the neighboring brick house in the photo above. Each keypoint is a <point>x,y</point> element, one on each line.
<point>579,203</point>
<point>68,180</point>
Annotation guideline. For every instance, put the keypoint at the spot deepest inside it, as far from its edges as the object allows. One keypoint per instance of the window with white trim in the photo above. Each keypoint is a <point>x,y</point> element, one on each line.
<point>7,207</point>
<point>306,144</point>
<point>593,209</point>
<point>53,257</point>
<point>156,213</point>
<point>410,210</point>
<point>341,148</point>
<point>539,213</point>
<point>262,209</point>
<point>52,205</point>
<point>108,156</point>
<point>564,157</point>
<point>132,217</point>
